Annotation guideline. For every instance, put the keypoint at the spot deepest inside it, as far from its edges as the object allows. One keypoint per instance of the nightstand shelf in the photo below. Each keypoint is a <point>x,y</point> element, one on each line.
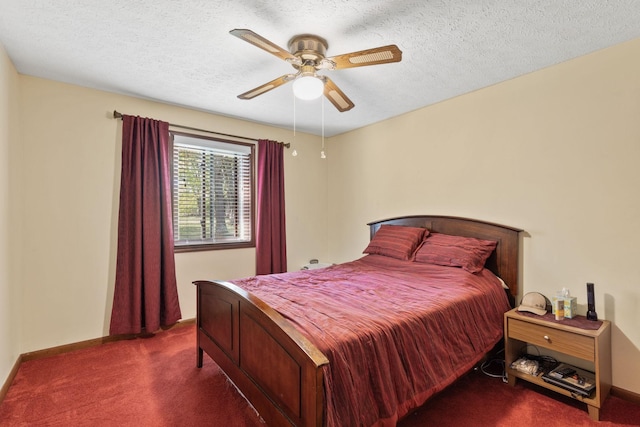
<point>590,345</point>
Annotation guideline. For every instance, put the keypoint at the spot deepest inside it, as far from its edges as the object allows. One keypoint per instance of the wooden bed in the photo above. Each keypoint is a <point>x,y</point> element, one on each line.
<point>274,365</point>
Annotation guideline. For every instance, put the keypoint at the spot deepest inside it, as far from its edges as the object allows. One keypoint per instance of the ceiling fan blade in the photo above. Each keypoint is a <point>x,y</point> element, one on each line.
<point>336,96</point>
<point>378,55</point>
<point>267,86</point>
<point>259,41</point>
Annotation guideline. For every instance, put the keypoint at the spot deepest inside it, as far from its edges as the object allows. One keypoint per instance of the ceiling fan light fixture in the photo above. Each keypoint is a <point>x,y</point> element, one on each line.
<point>308,87</point>
<point>307,54</point>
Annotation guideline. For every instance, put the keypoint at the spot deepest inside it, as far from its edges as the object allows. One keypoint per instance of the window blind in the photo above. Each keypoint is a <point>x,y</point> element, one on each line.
<point>211,192</point>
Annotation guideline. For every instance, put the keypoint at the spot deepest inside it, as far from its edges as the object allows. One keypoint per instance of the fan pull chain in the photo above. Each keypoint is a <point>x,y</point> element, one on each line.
<point>294,153</point>
<point>322,154</point>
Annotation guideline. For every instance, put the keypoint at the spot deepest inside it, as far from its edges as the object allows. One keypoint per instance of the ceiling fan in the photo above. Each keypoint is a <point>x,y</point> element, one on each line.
<point>307,55</point>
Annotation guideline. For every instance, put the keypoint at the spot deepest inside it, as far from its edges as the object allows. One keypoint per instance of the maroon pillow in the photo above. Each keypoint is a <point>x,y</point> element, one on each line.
<point>455,251</point>
<point>396,241</point>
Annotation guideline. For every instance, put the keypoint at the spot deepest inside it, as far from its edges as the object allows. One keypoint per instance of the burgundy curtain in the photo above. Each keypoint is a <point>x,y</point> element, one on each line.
<point>146,295</point>
<point>271,239</point>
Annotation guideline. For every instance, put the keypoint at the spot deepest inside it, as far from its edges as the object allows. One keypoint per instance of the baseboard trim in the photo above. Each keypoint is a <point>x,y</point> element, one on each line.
<point>53,351</point>
<point>12,374</point>
<point>627,395</point>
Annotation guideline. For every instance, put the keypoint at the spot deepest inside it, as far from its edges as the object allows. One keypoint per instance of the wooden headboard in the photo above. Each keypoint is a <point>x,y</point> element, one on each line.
<point>504,261</point>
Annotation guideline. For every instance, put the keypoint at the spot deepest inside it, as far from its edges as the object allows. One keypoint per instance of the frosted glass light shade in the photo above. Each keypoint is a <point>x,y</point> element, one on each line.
<point>308,87</point>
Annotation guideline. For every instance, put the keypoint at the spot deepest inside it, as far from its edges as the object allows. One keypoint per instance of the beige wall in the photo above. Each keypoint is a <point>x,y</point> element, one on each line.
<point>69,173</point>
<point>555,153</point>
<point>10,305</point>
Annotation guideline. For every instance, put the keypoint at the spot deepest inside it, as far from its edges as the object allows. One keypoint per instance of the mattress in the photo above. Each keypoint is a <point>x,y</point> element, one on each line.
<point>395,332</point>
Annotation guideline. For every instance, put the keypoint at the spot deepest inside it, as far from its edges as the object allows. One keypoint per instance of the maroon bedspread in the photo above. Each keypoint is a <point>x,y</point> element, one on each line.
<point>395,332</point>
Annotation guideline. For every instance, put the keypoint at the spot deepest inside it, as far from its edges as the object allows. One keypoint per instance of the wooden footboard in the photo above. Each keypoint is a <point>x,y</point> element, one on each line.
<point>278,370</point>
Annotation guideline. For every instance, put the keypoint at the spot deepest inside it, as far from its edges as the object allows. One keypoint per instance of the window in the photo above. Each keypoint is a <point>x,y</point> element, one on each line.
<point>212,193</point>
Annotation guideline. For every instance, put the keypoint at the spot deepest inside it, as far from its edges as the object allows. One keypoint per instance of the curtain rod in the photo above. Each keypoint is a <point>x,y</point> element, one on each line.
<point>117,115</point>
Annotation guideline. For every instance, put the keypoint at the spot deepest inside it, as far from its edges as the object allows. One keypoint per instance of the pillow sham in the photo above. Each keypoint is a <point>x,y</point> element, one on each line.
<point>396,241</point>
<point>467,252</point>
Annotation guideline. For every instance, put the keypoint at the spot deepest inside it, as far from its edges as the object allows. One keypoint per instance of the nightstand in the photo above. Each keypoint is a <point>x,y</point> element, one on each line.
<point>316,265</point>
<point>577,337</point>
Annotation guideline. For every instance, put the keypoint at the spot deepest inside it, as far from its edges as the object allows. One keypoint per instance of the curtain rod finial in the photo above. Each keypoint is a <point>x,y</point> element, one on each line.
<point>116,115</point>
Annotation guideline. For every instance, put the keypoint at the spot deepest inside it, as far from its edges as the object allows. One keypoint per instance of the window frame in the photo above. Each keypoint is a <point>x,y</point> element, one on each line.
<point>201,246</point>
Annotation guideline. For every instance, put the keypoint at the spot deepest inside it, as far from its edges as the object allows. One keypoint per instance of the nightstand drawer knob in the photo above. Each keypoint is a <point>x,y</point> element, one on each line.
<point>546,337</point>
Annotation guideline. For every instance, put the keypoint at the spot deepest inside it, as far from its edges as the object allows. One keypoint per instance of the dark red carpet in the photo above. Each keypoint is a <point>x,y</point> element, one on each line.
<point>478,400</point>
<point>154,382</point>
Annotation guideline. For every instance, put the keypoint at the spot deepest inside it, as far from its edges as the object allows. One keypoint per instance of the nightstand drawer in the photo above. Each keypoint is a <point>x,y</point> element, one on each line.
<point>562,341</point>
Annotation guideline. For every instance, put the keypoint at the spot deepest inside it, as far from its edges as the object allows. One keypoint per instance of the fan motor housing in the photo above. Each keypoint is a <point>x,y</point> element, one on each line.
<point>308,47</point>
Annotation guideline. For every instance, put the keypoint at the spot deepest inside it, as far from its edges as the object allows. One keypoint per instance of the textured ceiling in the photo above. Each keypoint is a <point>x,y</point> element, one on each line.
<point>181,52</point>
